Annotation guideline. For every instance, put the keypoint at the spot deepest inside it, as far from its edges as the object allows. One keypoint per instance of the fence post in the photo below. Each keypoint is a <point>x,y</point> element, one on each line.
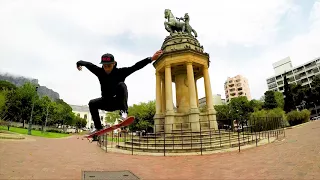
<point>119,137</point>
<point>164,141</point>
<point>112,139</point>
<point>191,135</point>
<point>131,142</point>
<point>200,137</point>
<point>219,137</point>
<point>210,133</point>
<point>238,138</point>
<point>181,135</point>
<point>155,137</point>
<point>173,138</point>
<point>106,142</point>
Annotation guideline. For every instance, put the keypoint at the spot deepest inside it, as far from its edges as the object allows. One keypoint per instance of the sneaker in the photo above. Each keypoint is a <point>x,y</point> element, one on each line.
<point>123,114</point>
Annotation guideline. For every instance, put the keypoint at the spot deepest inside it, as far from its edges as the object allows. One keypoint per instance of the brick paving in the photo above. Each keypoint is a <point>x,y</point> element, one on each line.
<point>295,157</point>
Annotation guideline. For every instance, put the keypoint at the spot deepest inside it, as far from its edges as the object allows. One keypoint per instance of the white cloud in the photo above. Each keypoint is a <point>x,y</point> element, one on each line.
<point>44,39</point>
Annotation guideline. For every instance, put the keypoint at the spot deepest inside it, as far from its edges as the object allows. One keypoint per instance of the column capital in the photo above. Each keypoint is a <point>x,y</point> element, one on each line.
<point>205,67</point>
<point>158,73</point>
<point>189,63</point>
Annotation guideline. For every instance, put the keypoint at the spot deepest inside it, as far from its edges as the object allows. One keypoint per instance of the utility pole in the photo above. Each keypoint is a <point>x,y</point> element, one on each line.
<point>30,121</point>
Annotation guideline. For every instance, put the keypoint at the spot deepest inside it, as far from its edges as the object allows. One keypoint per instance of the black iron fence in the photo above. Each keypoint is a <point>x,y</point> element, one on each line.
<point>195,137</point>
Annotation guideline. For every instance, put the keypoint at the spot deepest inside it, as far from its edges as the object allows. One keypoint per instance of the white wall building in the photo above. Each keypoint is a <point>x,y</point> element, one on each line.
<point>216,100</point>
<point>83,112</point>
<point>303,73</point>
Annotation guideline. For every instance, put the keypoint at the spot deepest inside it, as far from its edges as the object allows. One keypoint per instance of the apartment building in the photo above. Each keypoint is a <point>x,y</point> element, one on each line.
<point>303,73</point>
<point>237,86</point>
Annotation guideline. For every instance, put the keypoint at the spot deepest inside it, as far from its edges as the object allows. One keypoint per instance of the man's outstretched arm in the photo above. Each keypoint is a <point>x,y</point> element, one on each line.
<point>139,65</point>
<point>91,67</point>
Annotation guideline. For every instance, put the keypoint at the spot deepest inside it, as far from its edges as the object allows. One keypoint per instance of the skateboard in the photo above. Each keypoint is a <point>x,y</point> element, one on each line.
<point>129,120</point>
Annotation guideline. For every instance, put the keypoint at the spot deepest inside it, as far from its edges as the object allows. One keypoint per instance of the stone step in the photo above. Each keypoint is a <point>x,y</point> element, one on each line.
<point>175,149</point>
<point>196,134</point>
<point>191,138</point>
<point>186,143</point>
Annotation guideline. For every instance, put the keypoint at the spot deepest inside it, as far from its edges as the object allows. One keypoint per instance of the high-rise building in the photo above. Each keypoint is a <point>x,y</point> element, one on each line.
<point>237,86</point>
<point>303,73</point>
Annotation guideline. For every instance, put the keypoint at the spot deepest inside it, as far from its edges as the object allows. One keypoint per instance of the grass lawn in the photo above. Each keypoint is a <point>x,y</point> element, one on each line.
<point>34,132</point>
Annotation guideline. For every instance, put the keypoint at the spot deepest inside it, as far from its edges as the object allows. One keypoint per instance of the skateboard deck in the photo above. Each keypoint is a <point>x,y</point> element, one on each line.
<point>129,120</point>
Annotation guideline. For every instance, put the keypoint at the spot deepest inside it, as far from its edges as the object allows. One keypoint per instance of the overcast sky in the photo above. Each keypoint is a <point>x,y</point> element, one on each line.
<point>44,39</point>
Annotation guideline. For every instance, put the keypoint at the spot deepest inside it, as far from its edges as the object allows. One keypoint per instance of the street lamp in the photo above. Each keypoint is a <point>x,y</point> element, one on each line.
<point>30,121</point>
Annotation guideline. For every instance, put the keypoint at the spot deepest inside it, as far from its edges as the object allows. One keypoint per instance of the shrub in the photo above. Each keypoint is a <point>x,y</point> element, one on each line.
<point>268,119</point>
<point>298,117</point>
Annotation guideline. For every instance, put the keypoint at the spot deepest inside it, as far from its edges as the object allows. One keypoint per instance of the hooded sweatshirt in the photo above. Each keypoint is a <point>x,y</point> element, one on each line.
<point>109,82</point>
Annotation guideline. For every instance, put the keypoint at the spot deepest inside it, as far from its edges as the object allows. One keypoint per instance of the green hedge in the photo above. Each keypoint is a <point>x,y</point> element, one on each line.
<point>298,117</point>
<point>264,120</point>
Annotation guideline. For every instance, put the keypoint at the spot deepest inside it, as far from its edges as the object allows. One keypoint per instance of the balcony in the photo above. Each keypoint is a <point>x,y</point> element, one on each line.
<point>231,85</point>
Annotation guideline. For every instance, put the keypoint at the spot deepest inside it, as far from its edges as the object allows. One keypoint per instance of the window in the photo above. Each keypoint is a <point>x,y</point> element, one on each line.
<point>85,116</point>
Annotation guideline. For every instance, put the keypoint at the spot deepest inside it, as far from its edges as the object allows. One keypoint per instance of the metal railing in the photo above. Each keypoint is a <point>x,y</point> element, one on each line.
<point>196,137</point>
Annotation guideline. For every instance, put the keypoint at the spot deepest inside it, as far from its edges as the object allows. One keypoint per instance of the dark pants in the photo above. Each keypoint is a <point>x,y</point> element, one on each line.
<point>119,102</point>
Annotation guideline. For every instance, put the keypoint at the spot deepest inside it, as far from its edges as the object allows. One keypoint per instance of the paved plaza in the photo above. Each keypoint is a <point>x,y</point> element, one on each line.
<point>295,157</point>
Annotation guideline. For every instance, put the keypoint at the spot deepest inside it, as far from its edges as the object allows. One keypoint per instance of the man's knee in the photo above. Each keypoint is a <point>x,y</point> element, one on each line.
<point>122,85</point>
<point>93,103</point>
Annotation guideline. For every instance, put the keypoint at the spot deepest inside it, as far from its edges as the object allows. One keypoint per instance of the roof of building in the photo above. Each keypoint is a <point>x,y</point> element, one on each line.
<point>295,67</point>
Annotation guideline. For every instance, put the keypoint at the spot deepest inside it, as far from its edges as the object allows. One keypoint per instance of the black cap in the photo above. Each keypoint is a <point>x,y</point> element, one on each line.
<point>107,59</point>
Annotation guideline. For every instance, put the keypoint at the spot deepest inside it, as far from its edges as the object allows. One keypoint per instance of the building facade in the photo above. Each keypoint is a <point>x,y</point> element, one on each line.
<point>83,112</point>
<point>216,100</point>
<point>237,86</point>
<point>303,73</point>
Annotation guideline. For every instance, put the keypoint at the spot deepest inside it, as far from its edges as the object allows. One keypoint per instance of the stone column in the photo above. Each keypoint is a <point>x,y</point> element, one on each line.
<point>163,96</point>
<point>194,111</point>
<point>158,115</point>
<point>209,99</point>
<point>158,93</point>
<point>192,88</point>
<point>169,116</point>
<point>195,82</point>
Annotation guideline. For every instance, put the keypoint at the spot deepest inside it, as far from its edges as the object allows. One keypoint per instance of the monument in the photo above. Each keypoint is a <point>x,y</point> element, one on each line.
<point>183,62</point>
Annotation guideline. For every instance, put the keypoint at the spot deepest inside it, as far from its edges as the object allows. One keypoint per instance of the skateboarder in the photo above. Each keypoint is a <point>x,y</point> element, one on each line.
<point>113,89</point>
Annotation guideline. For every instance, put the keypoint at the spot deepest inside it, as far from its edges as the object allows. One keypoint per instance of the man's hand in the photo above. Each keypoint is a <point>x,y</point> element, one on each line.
<point>156,55</point>
<point>79,68</point>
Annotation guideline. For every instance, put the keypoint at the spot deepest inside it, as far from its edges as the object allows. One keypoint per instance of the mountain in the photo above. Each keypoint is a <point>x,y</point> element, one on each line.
<point>20,80</point>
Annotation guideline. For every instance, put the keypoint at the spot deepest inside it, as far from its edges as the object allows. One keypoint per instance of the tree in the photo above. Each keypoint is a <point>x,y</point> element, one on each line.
<point>256,105</point>
<point>240,108</point>
<point>270,100</point>
<point>79,122</point>
<point>142,112</point>
<point>315,90</point>
<point>288,98</point>
<point>2,101</point>
<point>279,99</point>
<point>223,112</point>
<point>111,117</point>
<point>7,85</point>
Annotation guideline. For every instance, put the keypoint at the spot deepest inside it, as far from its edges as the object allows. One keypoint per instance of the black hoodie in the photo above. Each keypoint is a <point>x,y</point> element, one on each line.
<point>109,82</point>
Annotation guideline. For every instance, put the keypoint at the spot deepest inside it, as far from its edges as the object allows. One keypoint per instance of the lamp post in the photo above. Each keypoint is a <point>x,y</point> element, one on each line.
<point>30,121</point>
